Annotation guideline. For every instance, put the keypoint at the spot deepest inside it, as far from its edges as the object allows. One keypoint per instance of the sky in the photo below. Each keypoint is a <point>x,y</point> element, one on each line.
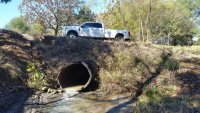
<point>8,11</point>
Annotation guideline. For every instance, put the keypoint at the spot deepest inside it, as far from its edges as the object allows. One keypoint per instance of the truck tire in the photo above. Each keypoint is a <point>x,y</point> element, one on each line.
<point>119,37</point>
<point>72,35</point>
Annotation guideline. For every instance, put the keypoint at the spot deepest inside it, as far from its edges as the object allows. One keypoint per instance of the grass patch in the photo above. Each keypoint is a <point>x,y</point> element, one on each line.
<point>155,101</point>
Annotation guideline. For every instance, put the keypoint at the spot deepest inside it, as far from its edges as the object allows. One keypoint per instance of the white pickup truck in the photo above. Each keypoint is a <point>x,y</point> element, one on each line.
<point>95,30</point>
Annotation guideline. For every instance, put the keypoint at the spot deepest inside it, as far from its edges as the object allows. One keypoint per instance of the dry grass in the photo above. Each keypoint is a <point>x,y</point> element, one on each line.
<point>182,50</point>
<point>175,89</point>
<point>125,67</point>
<point>14,55</point>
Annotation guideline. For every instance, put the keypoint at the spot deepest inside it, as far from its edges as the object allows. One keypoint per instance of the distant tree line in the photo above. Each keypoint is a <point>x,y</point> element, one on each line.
<point>170,22</point>
<point>173,22</point>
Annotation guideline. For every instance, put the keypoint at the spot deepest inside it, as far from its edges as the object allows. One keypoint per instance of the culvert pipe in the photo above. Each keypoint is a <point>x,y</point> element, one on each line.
<point>81,74</point>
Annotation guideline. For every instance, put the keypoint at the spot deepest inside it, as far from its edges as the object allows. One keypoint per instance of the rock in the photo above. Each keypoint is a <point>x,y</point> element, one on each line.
<point>61,91</point>
<point>28,37</point>
<point>50,90</point>
<point>55,92</point>
<point>44,89</point>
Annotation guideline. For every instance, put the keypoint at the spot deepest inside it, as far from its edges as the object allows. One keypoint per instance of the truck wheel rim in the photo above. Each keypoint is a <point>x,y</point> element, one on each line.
<point>72,36</point>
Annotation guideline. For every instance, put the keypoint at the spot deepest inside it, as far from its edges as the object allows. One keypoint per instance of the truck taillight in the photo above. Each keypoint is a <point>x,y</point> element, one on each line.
<point>129,34</point>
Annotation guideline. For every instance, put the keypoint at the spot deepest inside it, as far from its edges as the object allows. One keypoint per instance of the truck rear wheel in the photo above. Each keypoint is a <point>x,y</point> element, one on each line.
<point>119,38</point>
<point>72,35</point>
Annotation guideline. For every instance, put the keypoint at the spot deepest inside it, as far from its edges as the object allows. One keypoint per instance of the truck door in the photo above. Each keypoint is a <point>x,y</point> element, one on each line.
<point>98,30</point>
<point>86,30</point>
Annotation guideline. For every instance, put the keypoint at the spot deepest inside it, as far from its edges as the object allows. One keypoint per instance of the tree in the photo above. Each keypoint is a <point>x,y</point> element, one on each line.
<point>198,42</point>
<point>53,13</point>
<point>151,19</point>
<point>173,23</point>
<point>85,14</point>
<point>5,1</point>
<point>18,24</point>
<point>134,15</point>
<point>37,29</point>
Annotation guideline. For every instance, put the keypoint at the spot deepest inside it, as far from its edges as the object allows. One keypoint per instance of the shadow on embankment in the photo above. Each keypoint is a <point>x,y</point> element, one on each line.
<point>14,58</point>
<point>187,100</point>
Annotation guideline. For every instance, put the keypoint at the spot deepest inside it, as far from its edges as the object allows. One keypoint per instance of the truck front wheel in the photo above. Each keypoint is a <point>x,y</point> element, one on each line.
<point>72,35</point>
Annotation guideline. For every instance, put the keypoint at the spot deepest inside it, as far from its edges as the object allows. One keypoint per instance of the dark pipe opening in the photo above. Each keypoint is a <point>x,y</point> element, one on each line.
<point>82,74</point>
<point>74,75</point>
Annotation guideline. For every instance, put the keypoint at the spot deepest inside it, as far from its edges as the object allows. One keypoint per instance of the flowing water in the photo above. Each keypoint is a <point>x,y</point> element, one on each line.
<point>71,101</point>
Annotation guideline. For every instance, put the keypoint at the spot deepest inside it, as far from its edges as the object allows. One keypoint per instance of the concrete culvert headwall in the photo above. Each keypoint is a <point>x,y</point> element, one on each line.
<point>83,74</point>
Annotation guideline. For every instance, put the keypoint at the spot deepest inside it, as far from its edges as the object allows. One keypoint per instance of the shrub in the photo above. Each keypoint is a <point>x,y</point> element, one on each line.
<point>37,79</point>
<point>172,64</point>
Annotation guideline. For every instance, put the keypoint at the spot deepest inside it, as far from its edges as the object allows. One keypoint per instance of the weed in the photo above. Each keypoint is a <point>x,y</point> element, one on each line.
<point>153,101</point>
<point>37,79</point>
<point>172,64</point>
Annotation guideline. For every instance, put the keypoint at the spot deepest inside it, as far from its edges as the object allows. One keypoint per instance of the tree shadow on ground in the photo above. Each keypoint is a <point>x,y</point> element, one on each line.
<point>141,85</point>
<point>187,100</point>
<point>189,82</point>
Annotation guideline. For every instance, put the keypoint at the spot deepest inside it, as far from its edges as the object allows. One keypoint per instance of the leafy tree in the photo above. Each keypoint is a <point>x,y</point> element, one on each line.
<point>18,24</point>
<point>173,23</point>
<point>85,14</point>
<point>37,29</point>
<point>5,1</point>
<point>182,40</point>
<point>198,42</point>
<point>173,20</point>
<point>129,14</point>
<point>52,13</point>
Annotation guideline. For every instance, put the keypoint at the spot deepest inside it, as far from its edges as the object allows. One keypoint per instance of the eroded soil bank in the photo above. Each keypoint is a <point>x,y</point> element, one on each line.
<point>158,78</point>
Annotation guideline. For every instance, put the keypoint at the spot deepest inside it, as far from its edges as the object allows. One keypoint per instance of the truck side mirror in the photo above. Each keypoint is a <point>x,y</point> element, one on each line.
<point>83,26</point>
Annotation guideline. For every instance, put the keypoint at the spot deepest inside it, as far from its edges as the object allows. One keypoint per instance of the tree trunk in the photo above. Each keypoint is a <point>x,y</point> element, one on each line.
<point>142,30</point>
<point>140,27</point>
<point>148,22</point>
<point>56,31</point>
<point>168,37</point>
<point>121,14</point>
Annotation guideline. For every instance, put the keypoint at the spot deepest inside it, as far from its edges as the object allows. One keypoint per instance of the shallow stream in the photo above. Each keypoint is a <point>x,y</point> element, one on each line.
<point>72,101</point>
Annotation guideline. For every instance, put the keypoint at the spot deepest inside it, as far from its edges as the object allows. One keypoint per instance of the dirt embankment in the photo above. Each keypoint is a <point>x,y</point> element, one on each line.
<point>14,57</point>
<point>147,72</point>
<point>154,75</point>
<point>123,66</point>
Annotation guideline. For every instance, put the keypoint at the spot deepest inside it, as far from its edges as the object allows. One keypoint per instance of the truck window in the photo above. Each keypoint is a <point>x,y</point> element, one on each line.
<point>86,25</point>
<point>97,25</point>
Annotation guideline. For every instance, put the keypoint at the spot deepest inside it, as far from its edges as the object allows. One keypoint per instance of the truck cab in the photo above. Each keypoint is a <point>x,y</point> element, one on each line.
<point>92,29</point>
